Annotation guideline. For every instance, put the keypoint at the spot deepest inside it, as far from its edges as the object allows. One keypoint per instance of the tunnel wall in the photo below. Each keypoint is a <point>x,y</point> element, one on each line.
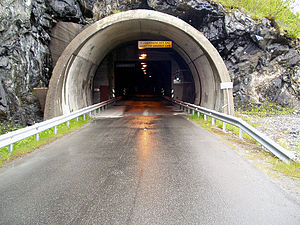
<point>71,82</point>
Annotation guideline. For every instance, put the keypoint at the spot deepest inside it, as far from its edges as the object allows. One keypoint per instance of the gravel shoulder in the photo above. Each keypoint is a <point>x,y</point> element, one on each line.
<point>284,129</point>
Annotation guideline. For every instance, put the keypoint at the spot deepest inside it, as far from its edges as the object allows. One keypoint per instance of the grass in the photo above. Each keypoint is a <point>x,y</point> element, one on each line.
<point>278,11</point>
<point>261,110</point>
<point>292,170</point>
<point>116,11</point>
<point>29,144</point>
<point>207,125</point>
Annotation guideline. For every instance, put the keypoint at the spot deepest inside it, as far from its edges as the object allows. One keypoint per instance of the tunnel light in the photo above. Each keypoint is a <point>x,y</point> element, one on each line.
<point>150,76</point>
<point>143,56</point>
<point>144,66</point>
<point>143,63</point>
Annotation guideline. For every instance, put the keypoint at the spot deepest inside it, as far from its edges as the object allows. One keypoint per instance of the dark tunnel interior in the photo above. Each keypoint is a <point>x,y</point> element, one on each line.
<point>128,71</point>
<point>143,78</point>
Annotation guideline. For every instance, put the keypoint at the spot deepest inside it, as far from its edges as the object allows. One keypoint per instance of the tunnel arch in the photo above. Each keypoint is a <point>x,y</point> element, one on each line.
<point>70,86</point>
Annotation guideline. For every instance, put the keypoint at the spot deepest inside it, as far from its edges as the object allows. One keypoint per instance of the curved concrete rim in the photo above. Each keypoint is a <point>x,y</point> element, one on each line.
<point>58,92</point>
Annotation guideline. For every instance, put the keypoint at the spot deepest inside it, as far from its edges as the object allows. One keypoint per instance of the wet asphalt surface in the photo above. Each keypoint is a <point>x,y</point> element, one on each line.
<point>140,162</point>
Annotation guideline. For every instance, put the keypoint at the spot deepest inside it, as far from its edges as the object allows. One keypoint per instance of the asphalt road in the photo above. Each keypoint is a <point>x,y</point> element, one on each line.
<point>140,163</point>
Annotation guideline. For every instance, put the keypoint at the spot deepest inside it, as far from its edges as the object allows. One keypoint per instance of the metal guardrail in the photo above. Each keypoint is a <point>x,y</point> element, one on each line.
<point>243,126</point>
<point>12,137</point>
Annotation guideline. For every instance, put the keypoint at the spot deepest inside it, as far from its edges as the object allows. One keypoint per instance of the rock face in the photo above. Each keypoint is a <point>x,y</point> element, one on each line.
<point>263,65</point>
<point>24,59</point>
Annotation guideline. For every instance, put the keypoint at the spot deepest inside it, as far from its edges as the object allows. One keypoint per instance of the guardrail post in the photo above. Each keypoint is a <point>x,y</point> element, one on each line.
<point>213,121</point>
<point>240,133</point>
<point>224,126</point>
<point>90,114</point>
<point>84,117</point>
<point>193,111</point>
<point>10,148</point>
<point>55,129</point>
<point>199,114</point>
<point>68,123</point>
<point>77,118</point>
<point>37,137</point>
<point>205,117</point>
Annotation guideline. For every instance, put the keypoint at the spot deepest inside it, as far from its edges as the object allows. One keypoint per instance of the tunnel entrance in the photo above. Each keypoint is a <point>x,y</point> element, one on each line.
<point>90,64</point>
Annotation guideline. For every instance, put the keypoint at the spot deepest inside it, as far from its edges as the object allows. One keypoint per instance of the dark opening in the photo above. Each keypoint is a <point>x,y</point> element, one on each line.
<point>130,78</point>
<point>123,73</point>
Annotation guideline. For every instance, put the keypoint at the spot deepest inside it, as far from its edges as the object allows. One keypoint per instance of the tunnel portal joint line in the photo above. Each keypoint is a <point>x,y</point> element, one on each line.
<point>200,56</point>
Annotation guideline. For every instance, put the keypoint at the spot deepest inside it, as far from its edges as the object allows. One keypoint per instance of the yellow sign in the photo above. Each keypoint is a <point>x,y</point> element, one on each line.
<point>155,44</point>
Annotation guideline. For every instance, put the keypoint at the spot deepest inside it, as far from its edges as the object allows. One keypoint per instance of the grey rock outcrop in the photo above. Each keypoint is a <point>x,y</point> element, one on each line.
<point>263,65</point>
<point>24,59</point>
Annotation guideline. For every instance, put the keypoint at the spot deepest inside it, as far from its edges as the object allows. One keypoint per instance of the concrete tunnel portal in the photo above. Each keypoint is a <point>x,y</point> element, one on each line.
<point>95,59</point>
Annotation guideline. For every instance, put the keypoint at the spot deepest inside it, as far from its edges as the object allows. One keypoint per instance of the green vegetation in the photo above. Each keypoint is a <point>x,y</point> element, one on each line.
<point>264,109</point>
<point>207,125</point>
<point>29,144</point>
<point>292,170</point>
<point>278,11</point>
<point>116,11</point>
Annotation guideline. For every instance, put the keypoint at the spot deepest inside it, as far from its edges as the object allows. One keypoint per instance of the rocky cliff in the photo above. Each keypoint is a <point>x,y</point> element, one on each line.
<point>263,65</point>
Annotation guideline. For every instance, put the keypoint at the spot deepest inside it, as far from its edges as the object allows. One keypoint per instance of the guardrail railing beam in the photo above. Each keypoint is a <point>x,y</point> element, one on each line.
<point>265,141</point>
<point>12,137</point>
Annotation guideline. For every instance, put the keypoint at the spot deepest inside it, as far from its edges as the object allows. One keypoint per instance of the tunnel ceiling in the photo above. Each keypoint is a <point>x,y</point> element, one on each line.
<point>71,82</point>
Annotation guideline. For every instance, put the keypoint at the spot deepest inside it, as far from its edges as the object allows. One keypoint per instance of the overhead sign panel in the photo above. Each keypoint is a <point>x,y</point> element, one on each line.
<point>154,44</point>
